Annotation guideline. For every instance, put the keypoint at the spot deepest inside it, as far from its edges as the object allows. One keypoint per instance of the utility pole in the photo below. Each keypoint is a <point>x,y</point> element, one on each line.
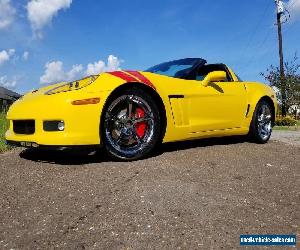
<point>280,11</point>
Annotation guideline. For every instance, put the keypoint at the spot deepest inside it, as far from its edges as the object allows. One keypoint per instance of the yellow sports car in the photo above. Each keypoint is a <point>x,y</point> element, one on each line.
<point>129,113</point>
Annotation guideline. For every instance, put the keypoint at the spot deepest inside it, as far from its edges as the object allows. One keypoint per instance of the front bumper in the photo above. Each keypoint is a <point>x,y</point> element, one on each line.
<point>82,122</point>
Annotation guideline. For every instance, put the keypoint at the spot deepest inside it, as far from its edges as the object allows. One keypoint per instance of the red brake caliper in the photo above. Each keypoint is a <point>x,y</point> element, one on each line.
<point>140,126</point>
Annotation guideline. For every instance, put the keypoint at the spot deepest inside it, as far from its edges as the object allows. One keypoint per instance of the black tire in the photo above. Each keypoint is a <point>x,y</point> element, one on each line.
<point>122,138</point>
<point>261,125</point>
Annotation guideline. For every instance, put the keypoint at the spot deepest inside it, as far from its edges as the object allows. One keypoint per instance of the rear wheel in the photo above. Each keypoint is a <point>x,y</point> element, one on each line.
<point>261,124</point>
<point>131,126</point>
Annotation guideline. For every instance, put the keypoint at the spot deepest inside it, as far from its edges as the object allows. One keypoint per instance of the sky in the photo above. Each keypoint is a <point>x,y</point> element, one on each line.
<point>48,41</point>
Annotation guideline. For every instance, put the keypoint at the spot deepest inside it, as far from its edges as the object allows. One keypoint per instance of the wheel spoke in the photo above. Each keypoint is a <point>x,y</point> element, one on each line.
<point>263,130</point>
<point>129,109</point>
<point>267,119</point>
<point>142,119</point>
<point>119,140</point>
<point>137,138</point>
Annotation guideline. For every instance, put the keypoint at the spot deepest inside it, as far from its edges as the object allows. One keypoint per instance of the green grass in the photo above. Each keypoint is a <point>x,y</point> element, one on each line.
<point>289,128</point>
<point>3,128</point>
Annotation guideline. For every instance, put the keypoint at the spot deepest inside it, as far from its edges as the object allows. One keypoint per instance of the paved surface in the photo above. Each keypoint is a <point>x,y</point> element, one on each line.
<point>288,137</point>
<point>190,195</point>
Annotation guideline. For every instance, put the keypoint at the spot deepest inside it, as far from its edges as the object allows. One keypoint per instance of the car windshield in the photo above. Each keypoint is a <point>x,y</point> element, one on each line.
<point>178,69</point>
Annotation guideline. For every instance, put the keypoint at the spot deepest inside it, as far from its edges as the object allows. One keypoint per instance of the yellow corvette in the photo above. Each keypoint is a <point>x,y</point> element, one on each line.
<point>130,112</point>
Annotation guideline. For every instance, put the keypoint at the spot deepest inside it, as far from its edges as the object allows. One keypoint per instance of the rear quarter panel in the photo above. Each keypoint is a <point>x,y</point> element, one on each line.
<point>255,92</point>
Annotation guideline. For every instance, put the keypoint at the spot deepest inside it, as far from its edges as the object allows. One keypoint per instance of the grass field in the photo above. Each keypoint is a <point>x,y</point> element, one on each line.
<point>3,128</point>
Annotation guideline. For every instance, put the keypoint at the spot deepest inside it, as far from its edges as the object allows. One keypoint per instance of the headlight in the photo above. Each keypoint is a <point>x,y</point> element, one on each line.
<point>72,85</point>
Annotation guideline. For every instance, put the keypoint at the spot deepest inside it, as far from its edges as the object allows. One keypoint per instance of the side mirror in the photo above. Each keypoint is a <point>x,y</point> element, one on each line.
<point>215,76</point>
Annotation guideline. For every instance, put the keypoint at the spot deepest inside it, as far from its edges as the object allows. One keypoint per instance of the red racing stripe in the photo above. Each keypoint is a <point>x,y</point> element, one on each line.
<point>141,77</point>
<point>123,76</point>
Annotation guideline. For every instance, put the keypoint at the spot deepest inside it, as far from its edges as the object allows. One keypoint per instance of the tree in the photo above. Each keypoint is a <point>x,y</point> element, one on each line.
<point>291,79</point>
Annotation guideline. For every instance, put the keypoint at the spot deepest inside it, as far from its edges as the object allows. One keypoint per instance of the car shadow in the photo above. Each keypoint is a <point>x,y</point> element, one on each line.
<point>184,145</point>
<point>63,157</point>
<point>81,157</point>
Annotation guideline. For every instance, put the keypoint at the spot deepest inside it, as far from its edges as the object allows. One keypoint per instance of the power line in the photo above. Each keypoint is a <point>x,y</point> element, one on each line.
<point>256,27</point>
<point>293,4</point>
<point>254,55</point>
<point>284,10</point>
<point>291,24</point>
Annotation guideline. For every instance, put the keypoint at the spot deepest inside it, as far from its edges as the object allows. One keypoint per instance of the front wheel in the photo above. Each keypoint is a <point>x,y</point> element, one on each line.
<point>261,124</point>
<point>132,126</point>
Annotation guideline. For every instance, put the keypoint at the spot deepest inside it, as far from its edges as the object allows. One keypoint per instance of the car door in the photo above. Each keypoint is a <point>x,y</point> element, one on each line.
<point>219,106</point>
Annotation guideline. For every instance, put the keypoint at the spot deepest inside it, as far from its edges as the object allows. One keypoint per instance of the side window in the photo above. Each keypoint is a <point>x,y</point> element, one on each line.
<point>206,69</point>
<point>202,73</point>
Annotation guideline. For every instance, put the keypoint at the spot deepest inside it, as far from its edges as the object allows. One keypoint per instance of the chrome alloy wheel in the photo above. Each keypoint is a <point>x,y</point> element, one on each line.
<point>264,122</point>
<point>129,124</point>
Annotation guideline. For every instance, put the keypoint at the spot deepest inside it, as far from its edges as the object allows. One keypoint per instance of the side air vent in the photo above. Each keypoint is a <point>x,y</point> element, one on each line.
<point>248,109</point>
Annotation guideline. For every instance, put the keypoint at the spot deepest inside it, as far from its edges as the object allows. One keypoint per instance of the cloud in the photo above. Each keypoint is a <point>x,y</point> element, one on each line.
<point>113,63</point>
<point>41,12</point>
<point>5,55</point>
<point>294,8</point>
<point>95,68</point>
<point>11,52</point>
<point>74,72</point>
<point>55,73</point>
<point>55,70</point>
<point>25,55</point>
<point>4,82</point>
<point>7,14</point>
